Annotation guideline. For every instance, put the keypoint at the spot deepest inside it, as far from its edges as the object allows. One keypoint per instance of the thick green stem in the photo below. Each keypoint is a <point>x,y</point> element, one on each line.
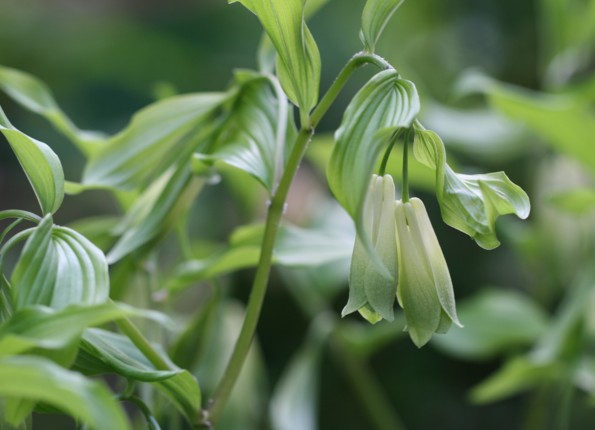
<point>380,412</point>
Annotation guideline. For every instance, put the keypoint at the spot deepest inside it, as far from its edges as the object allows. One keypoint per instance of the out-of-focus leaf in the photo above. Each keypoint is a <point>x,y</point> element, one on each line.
<point>38,379</point>
<point>159,135</point>
<point>294,247</point>
<point>577,201</point>
<point>298,59</point>
<point>495,321</point>
<point>34,95</point>
<point>470,203</point>
<point>484,134</point>
<point>103,352</point>
<point>257,134</point>
<point>516,376</point>
<point>375,17</point>
<point>156,211</point>
<point>41,165</point>
<point>565,121</point>
<point>58,267</point>
<point>293,404</point>
<point>41,327</point>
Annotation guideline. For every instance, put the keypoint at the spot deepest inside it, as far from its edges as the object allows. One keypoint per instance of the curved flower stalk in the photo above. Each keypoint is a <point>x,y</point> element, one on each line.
<point>424,289</point>
<point>371,292</point>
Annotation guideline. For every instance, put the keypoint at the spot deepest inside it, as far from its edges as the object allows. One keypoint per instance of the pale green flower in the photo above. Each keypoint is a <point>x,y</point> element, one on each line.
<point>372,292</point>
<point>425,289</point>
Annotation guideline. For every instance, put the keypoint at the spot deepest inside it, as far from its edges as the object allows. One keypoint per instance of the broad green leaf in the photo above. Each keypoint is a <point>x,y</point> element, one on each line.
<point>41,165</point>
<point>59,267</point>
<point>565,121</point>
<point>385,102</point>
<point>156,211</point>
<point>294,401</point>
<point>38,379</point>
<point>158,136</point>
<point>257,134</point>
<point>577,201</point>
<point>298,59</point>
<point>295,247</point>
<point>496,321</point>
<point>470,203</point>
<point>375,17</point>
<point>34,95</point>
<point>42,327</point>
<point>103,352</point>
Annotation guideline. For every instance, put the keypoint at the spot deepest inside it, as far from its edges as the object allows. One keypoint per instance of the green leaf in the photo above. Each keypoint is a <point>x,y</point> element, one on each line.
<point>517,375</point>
<point>34,95</point>
<point>158,136</point>
<point>257,133</point>
<point>38,379</point>
<point>470,203</point>
<point>58,267</point>
<point>41,165</point>
<point>565,121</point>
<point>578,201</point>
<point>385,103</point>
<point>496,321</point>
<point>103,352</point>
<point>41,327</point>
<point>156,211</point>
<point>294,401</point>
<point>295,247</point>
<point>375,17</point>
<point>298,60</point>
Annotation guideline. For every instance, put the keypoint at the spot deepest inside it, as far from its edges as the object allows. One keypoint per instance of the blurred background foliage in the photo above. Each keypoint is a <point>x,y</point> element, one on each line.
<point>525,358</point>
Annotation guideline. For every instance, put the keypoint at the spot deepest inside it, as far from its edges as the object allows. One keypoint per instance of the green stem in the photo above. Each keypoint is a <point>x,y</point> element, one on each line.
<point>405,188</point>
<point>16,213</point>
<point>261,278</point>
<point>384,163</point>
<point>380,412</point>
<point>274,215</point>
<point>353,64</point>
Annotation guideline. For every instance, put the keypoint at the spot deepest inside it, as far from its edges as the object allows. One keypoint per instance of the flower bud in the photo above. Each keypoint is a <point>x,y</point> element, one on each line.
<point>425,289</point>
<point>371,291</point>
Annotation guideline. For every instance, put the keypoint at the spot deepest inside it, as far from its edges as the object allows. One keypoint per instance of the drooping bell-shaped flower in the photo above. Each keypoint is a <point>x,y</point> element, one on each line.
<point>425,289</point>
<point>372,290</point>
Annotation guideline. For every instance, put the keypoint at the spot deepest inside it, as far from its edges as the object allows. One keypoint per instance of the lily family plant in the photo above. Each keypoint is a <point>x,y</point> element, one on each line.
<point>67,281</point>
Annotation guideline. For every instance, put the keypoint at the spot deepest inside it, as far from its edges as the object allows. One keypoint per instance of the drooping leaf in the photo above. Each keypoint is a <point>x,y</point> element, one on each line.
<point>257,134</point>
<point>59,267</point>
<point>38,379</point>
<point>375,17</point>
<point>42,327</point>
<point>34,95</point>
<point>385,102</point>
<point>41,165</point>
<point>156,211</point>
<point>470,203</point>
<point>103,352</point>
<point>298,59</point>
<point>158,135</point>
<point>496,321</point>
